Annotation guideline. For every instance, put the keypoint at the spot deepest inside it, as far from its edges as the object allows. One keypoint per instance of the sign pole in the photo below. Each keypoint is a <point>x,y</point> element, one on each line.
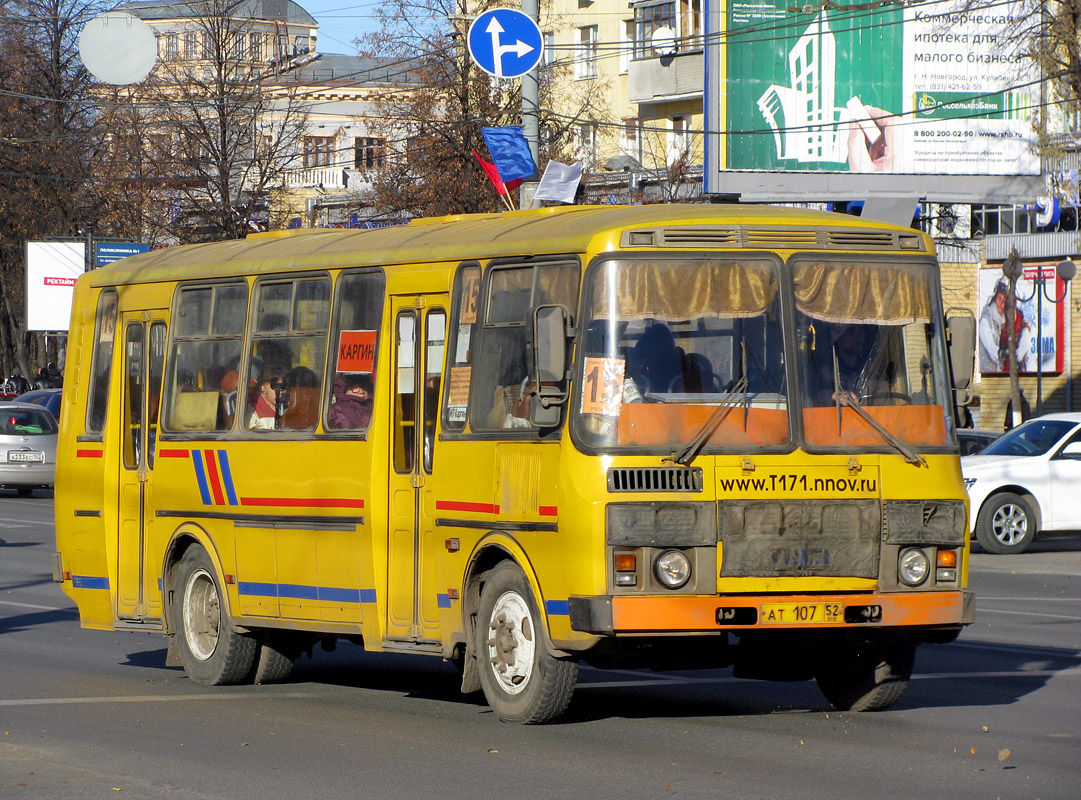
<point>531,113</point>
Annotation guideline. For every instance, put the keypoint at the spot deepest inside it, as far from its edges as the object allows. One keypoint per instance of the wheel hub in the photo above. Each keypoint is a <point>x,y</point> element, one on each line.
<point>1010,524</point>
<point>511,646</point>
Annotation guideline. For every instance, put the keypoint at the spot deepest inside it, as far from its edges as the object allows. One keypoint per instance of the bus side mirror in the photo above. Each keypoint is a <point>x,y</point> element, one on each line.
<point>549,347</point>
<point>961,338</point>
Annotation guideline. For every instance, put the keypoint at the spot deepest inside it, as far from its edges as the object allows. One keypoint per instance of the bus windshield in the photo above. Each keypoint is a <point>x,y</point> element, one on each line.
<point>871,356</point>
<point>676,346</point>
<point>681,354</point>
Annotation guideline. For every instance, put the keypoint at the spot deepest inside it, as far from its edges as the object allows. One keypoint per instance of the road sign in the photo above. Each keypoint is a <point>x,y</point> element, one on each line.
<point>505,43</point>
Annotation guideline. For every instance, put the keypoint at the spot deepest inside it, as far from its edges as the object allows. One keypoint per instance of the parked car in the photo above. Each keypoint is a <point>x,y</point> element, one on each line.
<point>973,441</point>
<point>27,447</point>
<point>49,398</point>
<point>1026,481</point>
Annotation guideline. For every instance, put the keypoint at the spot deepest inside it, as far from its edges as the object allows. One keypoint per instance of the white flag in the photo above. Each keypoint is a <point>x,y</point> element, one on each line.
<point>559,182</point>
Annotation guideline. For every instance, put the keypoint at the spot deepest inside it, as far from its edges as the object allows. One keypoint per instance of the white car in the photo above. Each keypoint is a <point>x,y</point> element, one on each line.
<point>1026,481</point>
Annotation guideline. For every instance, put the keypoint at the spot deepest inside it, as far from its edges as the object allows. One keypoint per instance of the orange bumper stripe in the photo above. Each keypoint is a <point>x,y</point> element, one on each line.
<point>661,614</point>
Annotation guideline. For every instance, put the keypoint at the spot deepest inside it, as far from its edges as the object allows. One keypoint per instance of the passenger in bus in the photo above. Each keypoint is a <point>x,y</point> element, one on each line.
<point>654,362</point>
<point>263,413</point>
<point>352,408</point>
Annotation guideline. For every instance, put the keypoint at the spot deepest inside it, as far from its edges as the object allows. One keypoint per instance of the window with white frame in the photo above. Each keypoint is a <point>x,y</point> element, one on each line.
<point>585,60</point>
<point>679,138</point>
<point>171,48</point>
<point>318,151</point>
<point>587,141</point>
<point>649,18</point>
<point>191,46</point>
<point>630,138</point>
<point>548,54</point>
<point>367,152</point>
<point>626,45</point>
<point>255,47</point>
<point>238,47</point>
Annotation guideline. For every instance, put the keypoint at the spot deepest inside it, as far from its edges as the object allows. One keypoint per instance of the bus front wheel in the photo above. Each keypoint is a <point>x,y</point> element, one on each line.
<point>212,653</point>
<point>866,677</point>
<point>521,680</point>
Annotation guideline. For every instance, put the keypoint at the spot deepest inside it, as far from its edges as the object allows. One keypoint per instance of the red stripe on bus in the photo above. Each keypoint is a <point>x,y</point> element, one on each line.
<point>549,511</point>
<point>89,453</point>
<point>173,454</point>
<point>212,473</point>
<point>303,502</point>
<point>454,505</point>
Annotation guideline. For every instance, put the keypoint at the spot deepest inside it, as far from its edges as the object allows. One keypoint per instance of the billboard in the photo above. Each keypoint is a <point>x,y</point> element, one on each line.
<point>51,270</point>
<point>891,100</point>
<point>1039,326</point>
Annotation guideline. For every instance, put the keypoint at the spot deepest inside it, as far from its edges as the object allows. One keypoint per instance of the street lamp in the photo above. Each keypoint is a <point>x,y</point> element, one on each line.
<point>1065,270</point>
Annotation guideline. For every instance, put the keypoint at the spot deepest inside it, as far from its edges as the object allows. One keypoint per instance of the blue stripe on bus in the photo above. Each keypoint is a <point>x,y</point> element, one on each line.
<point>200,475</point>
<point>442,600</point>
<point>294,591</point>
<point>559,608</point>
<point>227,477</point>
<point>89,582</point>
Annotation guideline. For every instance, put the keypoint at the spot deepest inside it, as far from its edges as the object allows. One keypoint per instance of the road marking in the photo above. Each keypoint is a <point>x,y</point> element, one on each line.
<point>37,607</point>
<point>666,680</point>
<point>149,698</point>
<point>1072,618</point>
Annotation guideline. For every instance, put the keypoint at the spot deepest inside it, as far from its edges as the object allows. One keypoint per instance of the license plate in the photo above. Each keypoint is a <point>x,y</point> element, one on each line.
<point>23,456</point>
<point>801,613</point>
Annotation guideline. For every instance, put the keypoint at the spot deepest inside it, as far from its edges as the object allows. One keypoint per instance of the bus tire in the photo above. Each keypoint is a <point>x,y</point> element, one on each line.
<point>213,654</point>
<point>1006,524</point>
<point>274,658</point>
<point>866,677</point>
<point>521,680</point>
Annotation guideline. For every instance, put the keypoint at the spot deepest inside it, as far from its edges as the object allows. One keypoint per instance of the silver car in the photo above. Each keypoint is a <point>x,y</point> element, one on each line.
<point>27,447</point>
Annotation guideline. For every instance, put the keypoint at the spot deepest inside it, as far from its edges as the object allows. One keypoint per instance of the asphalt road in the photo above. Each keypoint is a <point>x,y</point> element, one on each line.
<point>90,714</point>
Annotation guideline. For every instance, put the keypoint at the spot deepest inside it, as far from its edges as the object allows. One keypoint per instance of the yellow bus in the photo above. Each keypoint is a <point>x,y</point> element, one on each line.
<point>671,436</point>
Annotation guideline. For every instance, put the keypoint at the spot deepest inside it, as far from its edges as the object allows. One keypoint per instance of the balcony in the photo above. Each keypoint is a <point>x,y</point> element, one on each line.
<point>329,179</point>
<point>657,80</point>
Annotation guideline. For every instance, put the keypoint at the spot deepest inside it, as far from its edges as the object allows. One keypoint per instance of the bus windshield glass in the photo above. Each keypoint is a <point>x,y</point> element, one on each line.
<point>679,348</point>
<point>871,356</point>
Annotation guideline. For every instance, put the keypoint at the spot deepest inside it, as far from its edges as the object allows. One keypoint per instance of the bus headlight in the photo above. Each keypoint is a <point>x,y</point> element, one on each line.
<point>672,568</point>
<point>913,566</point>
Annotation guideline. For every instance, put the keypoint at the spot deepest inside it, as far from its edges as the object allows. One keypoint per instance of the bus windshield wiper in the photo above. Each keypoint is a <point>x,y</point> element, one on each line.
<point>843,398</point>
<point>735,394</point>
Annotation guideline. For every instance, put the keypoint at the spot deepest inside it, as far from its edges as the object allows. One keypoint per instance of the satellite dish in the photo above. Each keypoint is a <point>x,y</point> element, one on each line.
<point>118,48</point>
<point>663,42</point>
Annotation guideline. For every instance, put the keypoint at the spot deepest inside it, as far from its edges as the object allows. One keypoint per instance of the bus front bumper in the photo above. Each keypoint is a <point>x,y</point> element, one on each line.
<point>613,615</point>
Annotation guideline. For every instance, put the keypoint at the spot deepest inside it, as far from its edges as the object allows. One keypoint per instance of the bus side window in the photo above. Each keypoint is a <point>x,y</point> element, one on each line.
<point>463,326</point>
<point>204,363</point>
<point>355,337</point>
<point>101,365</point>
<point>501,390</point>
<point>289,347</point>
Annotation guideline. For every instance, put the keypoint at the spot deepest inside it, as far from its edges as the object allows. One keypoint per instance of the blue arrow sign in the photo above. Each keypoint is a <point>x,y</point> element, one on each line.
<point>505,43</point>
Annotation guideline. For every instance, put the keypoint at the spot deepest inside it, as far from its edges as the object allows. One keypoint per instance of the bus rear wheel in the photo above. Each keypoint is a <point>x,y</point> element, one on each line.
<point>212,653</point>
<point>521,680</point>
<point>866,677</point>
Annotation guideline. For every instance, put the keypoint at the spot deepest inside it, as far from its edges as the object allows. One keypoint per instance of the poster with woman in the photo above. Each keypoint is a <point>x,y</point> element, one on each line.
<point>993,347</point>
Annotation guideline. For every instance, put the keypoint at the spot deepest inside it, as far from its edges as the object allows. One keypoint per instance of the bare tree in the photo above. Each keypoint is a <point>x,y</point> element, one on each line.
<point>49,141</point>
<point>434,125</point>
<point>218,130</point>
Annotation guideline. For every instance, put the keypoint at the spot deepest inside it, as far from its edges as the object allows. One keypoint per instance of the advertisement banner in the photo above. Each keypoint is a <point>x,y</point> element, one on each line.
<point>931,89</point>
<point>51,270</point>
<point>1036,321</point>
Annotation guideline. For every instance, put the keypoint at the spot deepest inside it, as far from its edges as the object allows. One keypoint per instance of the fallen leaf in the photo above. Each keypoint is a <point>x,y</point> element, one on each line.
<point>973,751</point>
<point>985,729</point>
<point>492,750</point>
<point>1003,754</point>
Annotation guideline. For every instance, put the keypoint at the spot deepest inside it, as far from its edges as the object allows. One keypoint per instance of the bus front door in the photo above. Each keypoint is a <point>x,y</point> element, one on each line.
<point>419,334</point>
<point>144,333</point>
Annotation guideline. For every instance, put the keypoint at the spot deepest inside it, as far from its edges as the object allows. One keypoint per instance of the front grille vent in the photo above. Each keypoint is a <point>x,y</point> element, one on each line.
<point>702,237</point>
<point>655,479</point>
